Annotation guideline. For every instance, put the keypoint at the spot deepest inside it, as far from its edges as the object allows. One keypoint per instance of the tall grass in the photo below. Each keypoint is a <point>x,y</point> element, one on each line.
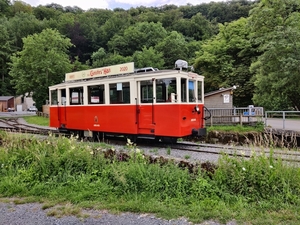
<point>65,170</point>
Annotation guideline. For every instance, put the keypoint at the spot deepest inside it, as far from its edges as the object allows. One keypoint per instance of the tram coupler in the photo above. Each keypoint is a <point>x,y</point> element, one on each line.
<point>199,132</point>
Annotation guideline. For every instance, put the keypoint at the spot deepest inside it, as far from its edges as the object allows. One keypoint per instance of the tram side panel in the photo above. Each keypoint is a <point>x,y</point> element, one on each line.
<point>176,120</point>
<point>119,119</point>
<point>111,118</point>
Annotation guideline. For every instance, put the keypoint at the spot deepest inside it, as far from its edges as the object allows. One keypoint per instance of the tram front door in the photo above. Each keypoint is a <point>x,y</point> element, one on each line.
<point>145,107</point>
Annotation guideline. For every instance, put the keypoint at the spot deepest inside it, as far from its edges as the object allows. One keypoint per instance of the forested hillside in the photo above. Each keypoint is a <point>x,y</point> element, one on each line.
<point>251,44</point>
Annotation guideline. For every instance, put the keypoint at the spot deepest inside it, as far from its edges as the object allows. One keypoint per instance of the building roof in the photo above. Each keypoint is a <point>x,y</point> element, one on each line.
<point>221,90</point>
<point>5,98</point>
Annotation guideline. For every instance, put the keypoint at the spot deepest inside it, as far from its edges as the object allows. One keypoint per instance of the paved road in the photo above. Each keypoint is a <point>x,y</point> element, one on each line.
<point>16,114</point>
<point>287,124</point>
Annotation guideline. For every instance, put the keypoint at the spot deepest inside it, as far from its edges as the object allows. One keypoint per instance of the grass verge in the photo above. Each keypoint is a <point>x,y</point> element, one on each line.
<point>38,120</point>
<point>259,190</point>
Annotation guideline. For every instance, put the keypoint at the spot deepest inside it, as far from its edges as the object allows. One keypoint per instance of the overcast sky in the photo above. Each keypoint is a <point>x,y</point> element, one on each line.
<point>112,4</point>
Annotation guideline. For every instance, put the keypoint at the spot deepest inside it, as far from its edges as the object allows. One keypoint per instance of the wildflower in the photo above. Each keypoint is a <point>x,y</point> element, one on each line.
<point>129,142</point>
<point>271,166</point>
<point>2,165</point>
<point>244,169</point>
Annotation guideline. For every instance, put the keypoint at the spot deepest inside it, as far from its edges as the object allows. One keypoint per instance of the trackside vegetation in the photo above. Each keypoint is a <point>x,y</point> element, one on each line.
<point>259,190</point>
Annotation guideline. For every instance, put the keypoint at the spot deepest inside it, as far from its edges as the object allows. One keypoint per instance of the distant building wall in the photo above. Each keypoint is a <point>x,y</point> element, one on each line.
<point>3,106</point>
<point>46,109</point>
<point>6,102</point>
<point>219,99</point>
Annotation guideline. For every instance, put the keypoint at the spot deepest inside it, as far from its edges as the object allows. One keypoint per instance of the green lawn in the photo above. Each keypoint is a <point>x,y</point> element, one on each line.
<point>38,120</point>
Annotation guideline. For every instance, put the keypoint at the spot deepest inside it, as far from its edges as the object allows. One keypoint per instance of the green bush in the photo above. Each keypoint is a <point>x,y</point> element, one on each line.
<point>259,178</point>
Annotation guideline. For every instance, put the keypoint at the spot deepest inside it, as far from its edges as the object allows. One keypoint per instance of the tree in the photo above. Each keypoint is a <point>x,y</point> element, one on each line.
<point>225,60</point>
<point>136,36</point>
<point>42,62</point>
<point>19,6</point>
<point>42,12</point>
<point>148,57</point>
<point>276,29</point>
<point>197,27</point>
<point>5,8</point>
<point>90,24</point>
<point>101,58</point>
<point>5,53</point>
<point>21,25</point>
<point>173,47</point>
<point>116,24</point>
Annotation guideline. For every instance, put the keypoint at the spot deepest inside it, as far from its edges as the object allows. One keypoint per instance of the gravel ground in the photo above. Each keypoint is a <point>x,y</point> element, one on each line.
<point>33,214</point>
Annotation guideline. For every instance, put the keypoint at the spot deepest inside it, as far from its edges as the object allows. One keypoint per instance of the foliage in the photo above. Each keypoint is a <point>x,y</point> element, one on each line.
<point>5,6</point>
<point>63,169</point>
<point>173,48</point>
<point>5,52</point>
<point>137,36</point>
<point>22,25</point>
<point>42,63</point>
<point>197,27</point>
<point>225,60</point>
<point>148,57</point>
<point>268,179</point>
<point>101,58</point>
<point>275,28</point>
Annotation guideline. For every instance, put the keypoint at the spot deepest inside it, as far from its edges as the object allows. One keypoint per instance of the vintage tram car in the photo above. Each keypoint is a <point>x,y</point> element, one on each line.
<point>121,100</point>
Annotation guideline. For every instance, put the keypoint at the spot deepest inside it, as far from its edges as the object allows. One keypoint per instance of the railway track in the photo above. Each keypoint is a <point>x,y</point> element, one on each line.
<point>239,151</point>
<point>14,125</point>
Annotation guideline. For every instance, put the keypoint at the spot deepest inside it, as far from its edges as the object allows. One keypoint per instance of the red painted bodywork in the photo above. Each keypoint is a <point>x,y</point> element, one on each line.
<point>172,120</point>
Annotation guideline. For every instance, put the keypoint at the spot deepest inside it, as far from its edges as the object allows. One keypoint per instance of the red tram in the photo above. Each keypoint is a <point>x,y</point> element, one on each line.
<point>118,100</point>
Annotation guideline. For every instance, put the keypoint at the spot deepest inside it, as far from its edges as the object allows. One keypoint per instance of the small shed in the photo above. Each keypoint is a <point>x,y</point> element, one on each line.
<point>6,102</point>
<point>221,98</point>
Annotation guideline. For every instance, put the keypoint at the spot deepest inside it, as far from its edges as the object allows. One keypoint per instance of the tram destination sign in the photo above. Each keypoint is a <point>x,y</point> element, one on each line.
<point>103,71</point>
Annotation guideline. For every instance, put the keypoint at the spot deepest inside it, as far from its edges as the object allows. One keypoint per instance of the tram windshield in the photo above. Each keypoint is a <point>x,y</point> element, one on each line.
<point>192,95</point>
<point>166,90</point>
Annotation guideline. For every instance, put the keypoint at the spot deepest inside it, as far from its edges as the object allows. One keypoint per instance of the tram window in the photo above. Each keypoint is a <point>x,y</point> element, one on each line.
<point>53,97</point>
<point>192,97</point>
<point>164,90</point>
<point>96,94</point>
<point>199,90</point>
<point>183,90</point>
<point>147,91</point>
<point>63,96</point>
<point>119,93</point>
<point>76,96</point>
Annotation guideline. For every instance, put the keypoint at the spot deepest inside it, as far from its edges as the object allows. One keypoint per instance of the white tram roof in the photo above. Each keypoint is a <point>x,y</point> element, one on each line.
<point>117,77</point>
